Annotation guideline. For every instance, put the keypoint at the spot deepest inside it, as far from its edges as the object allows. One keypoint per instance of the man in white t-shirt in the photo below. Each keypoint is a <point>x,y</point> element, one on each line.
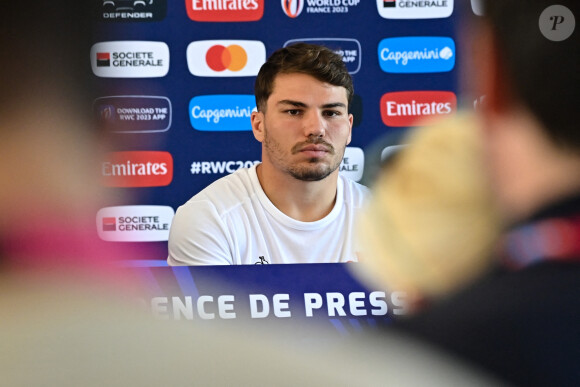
<point>293,207</point>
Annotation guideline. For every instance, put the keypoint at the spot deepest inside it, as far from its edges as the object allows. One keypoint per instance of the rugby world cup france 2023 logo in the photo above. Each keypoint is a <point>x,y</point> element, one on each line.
<point>292,8</point>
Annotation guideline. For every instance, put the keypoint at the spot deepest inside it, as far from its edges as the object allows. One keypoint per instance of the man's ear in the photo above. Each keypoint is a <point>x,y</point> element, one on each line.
<point>350,121</point>
<point>258,125</point>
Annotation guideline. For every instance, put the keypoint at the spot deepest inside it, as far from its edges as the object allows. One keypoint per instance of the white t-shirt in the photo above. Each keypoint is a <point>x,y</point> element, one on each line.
<point>232,222</point>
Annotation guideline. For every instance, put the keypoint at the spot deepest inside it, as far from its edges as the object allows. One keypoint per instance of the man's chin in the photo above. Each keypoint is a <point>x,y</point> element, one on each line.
<point>312,173</point>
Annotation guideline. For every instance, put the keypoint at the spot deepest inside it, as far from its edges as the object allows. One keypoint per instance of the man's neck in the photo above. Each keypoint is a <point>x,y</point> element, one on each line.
<point>528,170</point>
<point>306,201</point>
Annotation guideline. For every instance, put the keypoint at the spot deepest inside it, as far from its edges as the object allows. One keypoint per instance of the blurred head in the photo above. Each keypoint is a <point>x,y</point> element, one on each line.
<point>531,86</point>
<point>431,223</point>
<point>48,141</point>
<point>525,68</point>
<point>44,48</point>
<point>317,61</point>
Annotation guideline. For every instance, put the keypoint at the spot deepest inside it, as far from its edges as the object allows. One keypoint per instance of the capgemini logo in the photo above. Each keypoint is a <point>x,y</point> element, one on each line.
<point>417,54</point>
<point>292,8</point>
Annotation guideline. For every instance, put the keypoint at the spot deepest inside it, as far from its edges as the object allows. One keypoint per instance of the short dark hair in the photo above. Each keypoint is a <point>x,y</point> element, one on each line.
<point>318,61</point>
<point>543,74</point>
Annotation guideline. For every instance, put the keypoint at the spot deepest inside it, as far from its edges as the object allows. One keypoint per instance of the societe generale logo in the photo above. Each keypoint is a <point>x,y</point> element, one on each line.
<point>411,108</point>
<point>225,10</point>
<point>134,223</point>
<point>225,58</point>
<point>352,165</point>
<point>137,169</point>
<point>408,9</point>
<point>130,59</point>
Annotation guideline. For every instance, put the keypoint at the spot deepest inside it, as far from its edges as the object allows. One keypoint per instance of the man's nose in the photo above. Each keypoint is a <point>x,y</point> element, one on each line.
<point>314,124</point>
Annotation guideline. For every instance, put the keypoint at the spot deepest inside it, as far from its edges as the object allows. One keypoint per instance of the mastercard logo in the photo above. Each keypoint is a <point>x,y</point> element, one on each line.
<point>232,57</point>
<point>225,58</point>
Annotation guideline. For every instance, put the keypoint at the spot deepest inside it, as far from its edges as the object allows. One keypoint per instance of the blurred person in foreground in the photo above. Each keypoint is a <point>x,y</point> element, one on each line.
<point>49,145</point>
<point>517,314</point>
<point>433,223</point>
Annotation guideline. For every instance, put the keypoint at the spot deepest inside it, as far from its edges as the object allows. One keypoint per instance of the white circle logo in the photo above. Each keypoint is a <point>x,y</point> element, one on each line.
<point>557,23</point>
<point>446,53</point>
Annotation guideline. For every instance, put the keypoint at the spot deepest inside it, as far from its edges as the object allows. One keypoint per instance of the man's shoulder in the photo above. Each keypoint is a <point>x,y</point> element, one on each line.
<point>226,192</point>
<point>508,316</point>
<point>540,285</point>
<point>354,192</point>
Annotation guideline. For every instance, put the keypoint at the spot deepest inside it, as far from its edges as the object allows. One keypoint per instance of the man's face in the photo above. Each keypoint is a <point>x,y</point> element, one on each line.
<point>305,127</point>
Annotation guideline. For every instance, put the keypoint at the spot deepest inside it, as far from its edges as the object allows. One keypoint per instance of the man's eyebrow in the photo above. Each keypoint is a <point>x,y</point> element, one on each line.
<point>334,105</point>
<point>292,103</point>
<point>302,104</point>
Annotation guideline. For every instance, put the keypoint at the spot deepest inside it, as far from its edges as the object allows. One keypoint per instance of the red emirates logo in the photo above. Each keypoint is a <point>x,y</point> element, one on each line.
<point>225,10</point>
<point>411,108</point>
<point>137,169</point>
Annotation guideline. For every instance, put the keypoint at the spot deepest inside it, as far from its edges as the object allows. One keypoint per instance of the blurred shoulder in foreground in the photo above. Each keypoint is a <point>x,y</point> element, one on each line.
<point>431,223</point>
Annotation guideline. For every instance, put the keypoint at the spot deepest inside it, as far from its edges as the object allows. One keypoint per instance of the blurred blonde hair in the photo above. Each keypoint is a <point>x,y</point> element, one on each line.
<point>431,222</point>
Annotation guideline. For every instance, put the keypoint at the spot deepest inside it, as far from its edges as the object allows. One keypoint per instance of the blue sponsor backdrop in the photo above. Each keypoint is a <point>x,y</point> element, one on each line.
<point>355,29</point>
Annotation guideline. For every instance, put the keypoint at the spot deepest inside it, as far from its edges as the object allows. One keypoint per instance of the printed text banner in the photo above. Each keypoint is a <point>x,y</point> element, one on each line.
<point>321,293</point>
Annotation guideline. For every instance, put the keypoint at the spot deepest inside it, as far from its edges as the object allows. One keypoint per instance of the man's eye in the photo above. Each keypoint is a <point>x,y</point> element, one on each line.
<point>332,113</point>
<point>293,112</point>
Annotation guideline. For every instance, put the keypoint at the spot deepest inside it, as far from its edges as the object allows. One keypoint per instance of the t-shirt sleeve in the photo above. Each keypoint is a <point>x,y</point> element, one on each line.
<point>198,236</point>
